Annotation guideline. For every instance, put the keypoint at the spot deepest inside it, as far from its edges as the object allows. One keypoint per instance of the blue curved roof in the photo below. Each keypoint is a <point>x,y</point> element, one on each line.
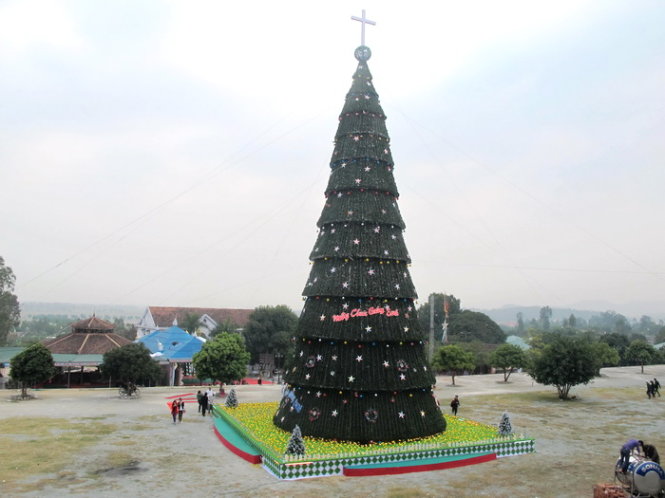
<point>172,344</point>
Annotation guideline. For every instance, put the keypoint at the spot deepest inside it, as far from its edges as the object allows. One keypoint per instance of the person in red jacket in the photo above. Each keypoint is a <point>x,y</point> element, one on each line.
<point>174,410</point>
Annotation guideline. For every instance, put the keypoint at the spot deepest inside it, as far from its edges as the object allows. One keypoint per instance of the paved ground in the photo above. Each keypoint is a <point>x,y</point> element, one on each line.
<point>187,459</point>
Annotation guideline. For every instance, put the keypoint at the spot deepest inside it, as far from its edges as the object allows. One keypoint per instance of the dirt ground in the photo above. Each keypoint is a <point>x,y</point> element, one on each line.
<point>137,451</point>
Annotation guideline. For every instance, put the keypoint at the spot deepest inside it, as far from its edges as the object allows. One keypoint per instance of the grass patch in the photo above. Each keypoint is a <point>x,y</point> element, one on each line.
<point>37,445</point>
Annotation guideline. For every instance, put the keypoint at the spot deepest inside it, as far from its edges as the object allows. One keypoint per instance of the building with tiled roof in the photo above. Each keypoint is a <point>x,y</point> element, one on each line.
<point>89,336</point>
<point>163,317</point>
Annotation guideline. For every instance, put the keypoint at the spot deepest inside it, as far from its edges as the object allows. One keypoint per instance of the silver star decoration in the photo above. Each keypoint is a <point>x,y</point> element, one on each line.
<point>349,213</point>
<point>339,194</point>
<point>356,241</point>
<point>332,373</point>
<point>425,369</point>
<point>336,248</point>
<point>345,306</point>
<point>358,181</point>
<point>383,211</point>
<point>393,236</point>
<point>318,394</point>
<point>422,413</point>
<point>402,377</point>
<point>397,286</point>
<point>386,364</point>
<point>306,376</point>
<point>377,229</point>
<point>409,308</point>
<point>359,358</point>
<point>345,285</point>
<point>367,168</point>
<point>351,378</point>
<point>319,357</point>
<point>334,357</point>
<point>371,271</point>
<point>368,329</point>
<point>385,151</point>
<point>301,353</point>
<point>333,413</point>
<point>333,230</point>
<point>385,251</point>
<point>333,270</point>
<point>406,329</point>
<point>401,414</point>
<point>322,317</point>
<point>343,165</point>
<point>356,138</point>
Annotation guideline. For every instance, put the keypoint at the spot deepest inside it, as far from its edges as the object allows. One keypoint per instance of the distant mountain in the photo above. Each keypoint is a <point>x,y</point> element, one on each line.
<point>103,311</point>
<point>507,315</point>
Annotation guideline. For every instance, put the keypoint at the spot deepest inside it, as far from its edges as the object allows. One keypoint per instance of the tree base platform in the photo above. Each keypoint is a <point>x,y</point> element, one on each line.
<point>368,460</point>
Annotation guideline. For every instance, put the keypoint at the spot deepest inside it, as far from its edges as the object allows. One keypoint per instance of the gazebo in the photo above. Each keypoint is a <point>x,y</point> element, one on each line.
<point>85,345</point>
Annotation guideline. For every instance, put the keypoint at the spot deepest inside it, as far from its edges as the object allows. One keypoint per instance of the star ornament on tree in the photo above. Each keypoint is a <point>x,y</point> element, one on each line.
<point>334,413</point>
<point>351,378</point>
<point>356,241</point>
<point>359,358</point>
<point>401,414</point>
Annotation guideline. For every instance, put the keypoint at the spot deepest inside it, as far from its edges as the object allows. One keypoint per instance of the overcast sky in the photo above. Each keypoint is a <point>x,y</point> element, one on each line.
<point>176,153</point>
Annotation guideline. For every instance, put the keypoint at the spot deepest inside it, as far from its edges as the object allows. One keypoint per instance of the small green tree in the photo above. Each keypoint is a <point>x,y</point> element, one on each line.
<point>10,312</point>
<point>606,355</point>
<point>223,358</point>
<point>191,323</point>
<point>32,366</point>
<point>640,353</point>
<point>130,364</point>
<point>468,326</point>
<point>564,362</point>
<point>509,358</point>
<point>453,359</point>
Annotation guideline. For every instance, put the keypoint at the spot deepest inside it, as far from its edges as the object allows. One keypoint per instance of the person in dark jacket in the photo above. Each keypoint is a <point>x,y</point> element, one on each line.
<point>204,405</point>
<point>630,446</point>
<point>650,452</point>
<point>454,404</point>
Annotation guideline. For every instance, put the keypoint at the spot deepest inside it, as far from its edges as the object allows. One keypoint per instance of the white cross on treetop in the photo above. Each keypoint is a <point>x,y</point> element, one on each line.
<point>363,20</point>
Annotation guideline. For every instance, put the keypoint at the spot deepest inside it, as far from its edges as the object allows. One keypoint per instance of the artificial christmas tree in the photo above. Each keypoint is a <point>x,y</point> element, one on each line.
<point>296,445</point>
<point>360,371</point>
<point>505,427</point>
<point>231,399</point>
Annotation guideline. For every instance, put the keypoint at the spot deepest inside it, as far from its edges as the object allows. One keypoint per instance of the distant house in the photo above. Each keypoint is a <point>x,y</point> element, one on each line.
<point>163,317</point>
<point>174,349</point>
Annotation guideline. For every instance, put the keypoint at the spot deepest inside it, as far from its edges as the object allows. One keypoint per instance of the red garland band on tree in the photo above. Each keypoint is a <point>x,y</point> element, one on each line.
<point>360,372</point>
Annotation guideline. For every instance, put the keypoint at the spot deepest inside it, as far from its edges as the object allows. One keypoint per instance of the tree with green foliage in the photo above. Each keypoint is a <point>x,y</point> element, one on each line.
<point>130,364</point>
<point>606,355</point>
<point>232,399</point>
<point>505,427</point>
<point>640,353</point>
<point>660,335</point>
<point>32,366</point>
<point>223,358</point>
<point>545,317</point>
<point>509,358</point>
<point>453,359</point>
<point>269,330</point>
<point>227,325</point>
<point>10,312</point>
<point>564,362</point>
<point>438,298</point>
<point>191,323</point>
<point>468,326</point>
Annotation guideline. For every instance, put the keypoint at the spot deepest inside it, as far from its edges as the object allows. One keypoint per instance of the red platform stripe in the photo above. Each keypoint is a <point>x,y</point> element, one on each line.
<point>242,454</point>
<point>179,396</point>
<point>382,471</point>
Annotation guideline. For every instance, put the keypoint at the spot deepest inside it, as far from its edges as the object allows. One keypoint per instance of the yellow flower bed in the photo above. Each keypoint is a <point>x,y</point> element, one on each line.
<point>256,418</point>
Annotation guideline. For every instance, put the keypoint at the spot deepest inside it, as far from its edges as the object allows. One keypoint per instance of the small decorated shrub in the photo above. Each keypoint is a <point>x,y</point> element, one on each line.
<point>232,399</point>
<point>296,445</point>
<point>505,427</point>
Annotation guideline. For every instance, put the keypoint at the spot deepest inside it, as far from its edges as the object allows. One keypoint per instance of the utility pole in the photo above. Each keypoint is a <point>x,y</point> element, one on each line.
<point>430,351</point>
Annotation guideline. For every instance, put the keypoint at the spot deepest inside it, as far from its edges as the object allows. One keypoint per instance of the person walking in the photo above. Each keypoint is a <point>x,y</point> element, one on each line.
<point>210,395</point>
<point>199,395</point>
<point>454,404</point>
<point>655,387</point>
<point>649,389</point>
<point>174,410</point>
<point>204,405</point>
<point>181,409</point>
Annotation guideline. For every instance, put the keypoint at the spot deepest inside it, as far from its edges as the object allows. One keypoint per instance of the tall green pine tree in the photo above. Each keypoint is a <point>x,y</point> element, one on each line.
<point>360,372</point>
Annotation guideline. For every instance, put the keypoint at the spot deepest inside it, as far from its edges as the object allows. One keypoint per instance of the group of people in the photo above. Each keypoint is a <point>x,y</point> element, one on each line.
<point>205,401</point>
<point>177,409</point>
<point>640,449</point>
<point>653,388</point>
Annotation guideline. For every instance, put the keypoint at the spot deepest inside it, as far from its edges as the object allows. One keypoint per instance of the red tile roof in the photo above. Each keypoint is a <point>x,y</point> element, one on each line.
<point>92,324</point>
<point>85,343</point>
<point>164,316</point>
